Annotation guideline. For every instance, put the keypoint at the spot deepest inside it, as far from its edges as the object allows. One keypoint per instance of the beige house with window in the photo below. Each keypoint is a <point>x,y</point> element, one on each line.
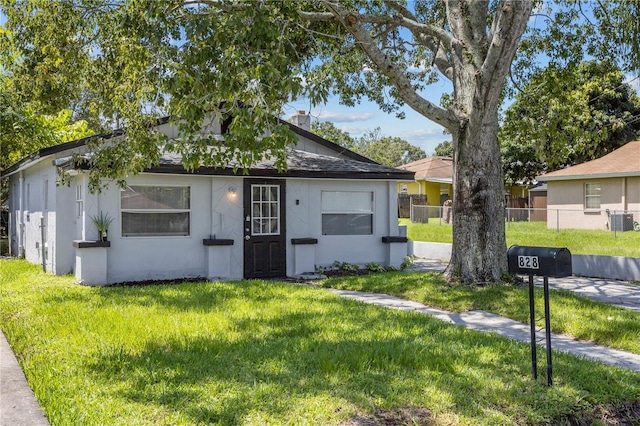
<point>599,194</point>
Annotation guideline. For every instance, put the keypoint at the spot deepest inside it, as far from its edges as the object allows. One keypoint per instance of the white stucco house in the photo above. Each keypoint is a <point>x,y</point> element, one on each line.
<point>331,204</point>
<point>599,194</point>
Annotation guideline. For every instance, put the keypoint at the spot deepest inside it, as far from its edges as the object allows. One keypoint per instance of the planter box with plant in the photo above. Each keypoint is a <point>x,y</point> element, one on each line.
<point>102,223</point>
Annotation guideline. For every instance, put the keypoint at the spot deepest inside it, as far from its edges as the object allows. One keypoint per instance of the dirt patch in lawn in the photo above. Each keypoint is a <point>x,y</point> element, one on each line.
<point>331,273</point>
<point>144,283</point>
<point>402,416</point>
<point>624,414</point>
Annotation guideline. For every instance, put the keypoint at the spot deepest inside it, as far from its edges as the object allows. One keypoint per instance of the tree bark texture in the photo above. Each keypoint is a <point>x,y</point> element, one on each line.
<point>479,244</point>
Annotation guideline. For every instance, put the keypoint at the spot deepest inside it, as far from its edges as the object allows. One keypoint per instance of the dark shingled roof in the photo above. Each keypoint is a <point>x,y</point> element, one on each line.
<point>299,164</point>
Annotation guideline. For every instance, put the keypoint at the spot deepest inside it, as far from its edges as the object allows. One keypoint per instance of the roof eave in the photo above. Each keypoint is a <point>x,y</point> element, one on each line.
<point>588,176</point>
<point>313,174</point>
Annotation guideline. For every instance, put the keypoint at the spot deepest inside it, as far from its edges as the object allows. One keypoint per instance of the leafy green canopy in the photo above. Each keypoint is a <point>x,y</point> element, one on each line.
<point>23,130</point>
<point>128,62</point>
<point>444,149</point>
<point>566,116</point>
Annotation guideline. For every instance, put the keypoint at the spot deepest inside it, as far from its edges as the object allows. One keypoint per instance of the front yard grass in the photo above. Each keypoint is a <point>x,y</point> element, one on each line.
<point>578,241</point>
<point>571,314</point>
<point>258,352</point>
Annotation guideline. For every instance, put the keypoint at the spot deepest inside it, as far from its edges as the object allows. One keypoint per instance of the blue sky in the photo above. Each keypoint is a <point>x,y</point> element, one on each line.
<point>414,128</point>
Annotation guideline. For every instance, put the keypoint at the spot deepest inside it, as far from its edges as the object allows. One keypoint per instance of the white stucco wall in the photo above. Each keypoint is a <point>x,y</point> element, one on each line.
<point>305,220</point>
<point>308,145</point>
<point>213,212</point>
<point>167,257</point>
<point>33,196</point>
<point>66,229</point>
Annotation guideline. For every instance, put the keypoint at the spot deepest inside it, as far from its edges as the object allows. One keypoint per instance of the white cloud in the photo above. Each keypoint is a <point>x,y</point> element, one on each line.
<point>355,130</point>
<point>343,117</point>
<point>425,138</point>
<point>421,133</point>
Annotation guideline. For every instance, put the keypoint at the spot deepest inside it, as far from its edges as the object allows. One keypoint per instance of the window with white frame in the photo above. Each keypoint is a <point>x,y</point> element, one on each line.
<point>592,196</point>
<point>155,211</point>
<point>265,209</point>
<point>79,201</point>
<point>347,212</point>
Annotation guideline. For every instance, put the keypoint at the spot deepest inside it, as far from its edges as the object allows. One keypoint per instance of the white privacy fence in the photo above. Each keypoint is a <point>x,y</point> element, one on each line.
<point>556,219</point>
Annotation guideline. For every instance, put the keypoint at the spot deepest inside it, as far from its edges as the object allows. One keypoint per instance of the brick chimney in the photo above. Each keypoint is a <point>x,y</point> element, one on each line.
<point>302,120</point>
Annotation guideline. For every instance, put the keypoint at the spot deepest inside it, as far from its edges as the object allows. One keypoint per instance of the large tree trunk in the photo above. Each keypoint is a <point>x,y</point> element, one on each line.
<point>480,64</point>
<point>479,245</point>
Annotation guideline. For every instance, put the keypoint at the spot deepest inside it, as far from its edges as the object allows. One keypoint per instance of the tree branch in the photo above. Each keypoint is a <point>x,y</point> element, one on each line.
<point>437,46</point>
<point>316,16</point>
<point>396,74</point>
<point>508,24</point>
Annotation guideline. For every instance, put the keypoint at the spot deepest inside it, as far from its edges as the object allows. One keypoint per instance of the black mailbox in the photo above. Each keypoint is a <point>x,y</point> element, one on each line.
<point>539,261</point>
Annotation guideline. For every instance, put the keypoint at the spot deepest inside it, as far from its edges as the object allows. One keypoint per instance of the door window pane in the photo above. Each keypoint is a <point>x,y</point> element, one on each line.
<point>265,209</point>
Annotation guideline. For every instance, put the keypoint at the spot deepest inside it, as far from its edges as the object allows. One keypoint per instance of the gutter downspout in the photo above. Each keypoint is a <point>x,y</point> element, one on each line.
<point>624,194</point>
<point>21,216</point>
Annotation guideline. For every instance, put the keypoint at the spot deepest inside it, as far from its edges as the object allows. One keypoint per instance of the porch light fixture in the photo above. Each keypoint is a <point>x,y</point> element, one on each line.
<point>233,191</point>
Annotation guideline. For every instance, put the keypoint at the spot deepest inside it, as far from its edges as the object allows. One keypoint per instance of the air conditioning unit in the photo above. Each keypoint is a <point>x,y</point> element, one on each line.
<point>622,222</point>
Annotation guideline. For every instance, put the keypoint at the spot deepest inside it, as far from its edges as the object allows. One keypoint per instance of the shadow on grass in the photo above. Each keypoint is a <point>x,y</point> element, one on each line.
<point>570,313</point>
<point>282,366</point>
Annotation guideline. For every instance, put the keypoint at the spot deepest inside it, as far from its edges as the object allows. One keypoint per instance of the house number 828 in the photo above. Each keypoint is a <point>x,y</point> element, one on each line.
<point>528,262</point>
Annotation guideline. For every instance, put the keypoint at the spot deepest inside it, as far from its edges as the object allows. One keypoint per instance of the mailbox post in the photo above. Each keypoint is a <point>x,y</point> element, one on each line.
<point>543,262</point>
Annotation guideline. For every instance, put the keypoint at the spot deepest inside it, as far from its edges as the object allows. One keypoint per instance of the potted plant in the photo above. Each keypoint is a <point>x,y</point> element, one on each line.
<point>102,223</point>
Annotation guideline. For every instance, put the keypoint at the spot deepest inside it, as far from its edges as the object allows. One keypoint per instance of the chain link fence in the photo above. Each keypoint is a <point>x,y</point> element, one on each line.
<point>556,219</point>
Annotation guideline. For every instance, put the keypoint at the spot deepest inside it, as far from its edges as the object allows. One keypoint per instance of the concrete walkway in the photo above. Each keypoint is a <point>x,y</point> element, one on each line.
<point>18,404</point>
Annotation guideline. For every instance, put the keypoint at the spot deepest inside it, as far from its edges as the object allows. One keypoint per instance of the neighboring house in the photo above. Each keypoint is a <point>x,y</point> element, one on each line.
<point>433,178</point>
<point>331,204</point>
<point>588,195</point>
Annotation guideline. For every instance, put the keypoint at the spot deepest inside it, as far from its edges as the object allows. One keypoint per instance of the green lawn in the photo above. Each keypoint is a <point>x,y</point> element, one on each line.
<point>256,352</point>
<point>571,314</point>
<point>537,234</point>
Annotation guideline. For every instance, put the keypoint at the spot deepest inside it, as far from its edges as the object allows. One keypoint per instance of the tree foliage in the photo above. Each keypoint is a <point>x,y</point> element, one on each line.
<point>329,131</point>
<point>385,150</point>
<point>24,131</point>
<point>568,116</point>
<point>444,149</point>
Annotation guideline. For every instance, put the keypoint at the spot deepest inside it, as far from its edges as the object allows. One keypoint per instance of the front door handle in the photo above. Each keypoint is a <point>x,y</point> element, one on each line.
<point>247,237</point>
